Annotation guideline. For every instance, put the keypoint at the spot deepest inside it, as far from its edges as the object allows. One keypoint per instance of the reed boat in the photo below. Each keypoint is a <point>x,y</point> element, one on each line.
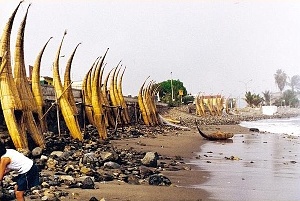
<point>66,108</point>
<point>9,97</point>
<point>219,135</point>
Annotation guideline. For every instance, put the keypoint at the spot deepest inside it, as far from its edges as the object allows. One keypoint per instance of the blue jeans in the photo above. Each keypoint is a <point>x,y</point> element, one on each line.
<point>29,179</point>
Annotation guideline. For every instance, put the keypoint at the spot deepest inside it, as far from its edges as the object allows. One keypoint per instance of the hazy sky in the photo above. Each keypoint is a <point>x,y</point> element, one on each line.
<point>211,46</point>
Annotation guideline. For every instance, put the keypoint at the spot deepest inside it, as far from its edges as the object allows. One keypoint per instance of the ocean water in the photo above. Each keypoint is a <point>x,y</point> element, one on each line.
<point>264,166</point>
<point>289,126</point>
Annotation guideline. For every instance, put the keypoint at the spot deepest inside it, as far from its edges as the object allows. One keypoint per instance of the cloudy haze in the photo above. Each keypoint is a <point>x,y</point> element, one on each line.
<point>213,47</point>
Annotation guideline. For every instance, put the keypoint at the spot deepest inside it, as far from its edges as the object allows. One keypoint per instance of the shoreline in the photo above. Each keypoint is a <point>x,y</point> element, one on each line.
<point>175,146</point>
<point>183,144</point>
<point>256,166</point>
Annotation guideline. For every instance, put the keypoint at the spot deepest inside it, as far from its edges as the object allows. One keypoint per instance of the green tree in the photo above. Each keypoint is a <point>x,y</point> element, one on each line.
<point>188,99</point>
<point>280,79</point>
<point>165,90</point>
<point>253,100</point>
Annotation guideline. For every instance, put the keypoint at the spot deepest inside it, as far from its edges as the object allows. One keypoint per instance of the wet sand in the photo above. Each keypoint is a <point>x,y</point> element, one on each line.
<point>252,167</point>
<point>186,183</point>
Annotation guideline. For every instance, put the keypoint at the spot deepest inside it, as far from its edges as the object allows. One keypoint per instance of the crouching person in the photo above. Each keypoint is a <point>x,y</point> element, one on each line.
<point>28,174</point>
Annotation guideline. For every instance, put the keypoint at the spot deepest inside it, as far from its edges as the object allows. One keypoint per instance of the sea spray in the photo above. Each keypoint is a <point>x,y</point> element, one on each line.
<point>289,126</point>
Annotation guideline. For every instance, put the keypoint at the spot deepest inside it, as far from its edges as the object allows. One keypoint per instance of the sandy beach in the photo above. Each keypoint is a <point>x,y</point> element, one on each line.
<point>185,144</point>
<point>250,166</point>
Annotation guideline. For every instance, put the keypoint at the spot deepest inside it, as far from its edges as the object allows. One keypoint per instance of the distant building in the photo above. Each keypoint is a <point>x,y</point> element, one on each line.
<point>44,80</point>
<point>274,96</point>
<point>77,85</point>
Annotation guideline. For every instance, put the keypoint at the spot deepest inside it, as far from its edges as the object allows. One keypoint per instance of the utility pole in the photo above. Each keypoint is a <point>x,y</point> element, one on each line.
<point>246,83</point>
<point>172,90</point>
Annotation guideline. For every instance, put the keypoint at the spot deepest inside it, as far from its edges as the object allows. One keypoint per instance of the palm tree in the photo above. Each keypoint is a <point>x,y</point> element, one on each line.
<point>280,79</point>
<point>267,97</point>
<point>294,83</point>
<point>253,100</point>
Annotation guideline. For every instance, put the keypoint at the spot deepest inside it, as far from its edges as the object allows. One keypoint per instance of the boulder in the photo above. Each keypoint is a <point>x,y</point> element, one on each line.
<point>150,159</point>
<point>36,152</point>
<point>111,165</point>
<point>88,183</point>
<point>159,180</point>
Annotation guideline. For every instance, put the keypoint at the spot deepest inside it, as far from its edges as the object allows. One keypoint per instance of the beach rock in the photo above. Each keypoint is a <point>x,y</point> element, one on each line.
<point>159,180</point>
<point>136,133</point>
<point>150,159</point>
<point>108,156</point>
<point>57,153</point>
<point>69,168</point>
<point>112,165</point>
<point>254,129</point>
<point>49,195</point>
<point>145,172</point>
<point>89,158</point>
<point>44,158</point>
<point>133,179</point>
<point>45,185</point>
<point>51,163</point>
<point>93,199</point>
<point>85,170</point>
<point>88,183</point>
<point>36,152</point>
<point>104,177</point>
<point>67,178</point>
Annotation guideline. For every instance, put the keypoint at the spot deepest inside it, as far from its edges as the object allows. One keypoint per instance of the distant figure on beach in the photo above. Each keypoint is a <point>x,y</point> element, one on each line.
<point>28,174</point>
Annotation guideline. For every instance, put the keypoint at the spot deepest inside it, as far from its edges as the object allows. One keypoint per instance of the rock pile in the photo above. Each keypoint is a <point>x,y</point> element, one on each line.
<point>68,163</point>
<point>188,119</point>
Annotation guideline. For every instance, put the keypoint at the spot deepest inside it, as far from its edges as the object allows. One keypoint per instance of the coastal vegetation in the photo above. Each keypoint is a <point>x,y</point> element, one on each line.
<point>288,97</point>
<point>172,91</point>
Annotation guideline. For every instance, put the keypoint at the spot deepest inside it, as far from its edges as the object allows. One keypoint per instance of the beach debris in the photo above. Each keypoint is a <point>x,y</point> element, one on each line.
<point>254,129</point>
<point>159,180</point>
<point>235,158</point>
<point>168,123</point>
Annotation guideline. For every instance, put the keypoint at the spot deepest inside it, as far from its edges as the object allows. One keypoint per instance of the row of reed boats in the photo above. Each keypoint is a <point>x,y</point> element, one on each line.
<point>23,104</point>
<point>104,104</point>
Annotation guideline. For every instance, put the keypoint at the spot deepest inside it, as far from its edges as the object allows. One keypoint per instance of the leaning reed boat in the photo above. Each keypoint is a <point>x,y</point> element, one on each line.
<point>215,136</point>
<point>9,97</point>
